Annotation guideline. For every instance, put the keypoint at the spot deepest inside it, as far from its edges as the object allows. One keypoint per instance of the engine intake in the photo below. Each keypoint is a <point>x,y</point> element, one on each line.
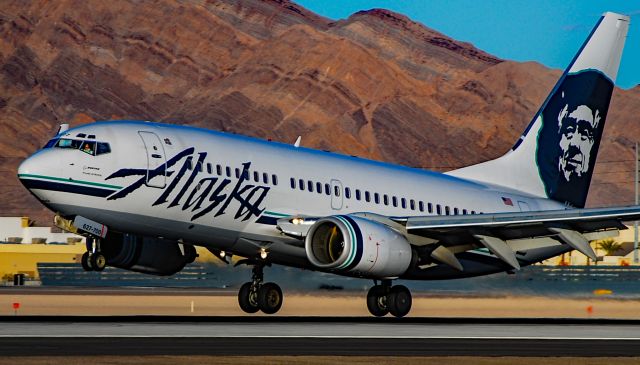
<point>357,247</point>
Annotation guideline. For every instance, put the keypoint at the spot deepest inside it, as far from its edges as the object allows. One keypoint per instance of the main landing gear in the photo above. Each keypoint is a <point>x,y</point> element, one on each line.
<point>384,298</point>
<point>93,259</point>
<point>256,295</point>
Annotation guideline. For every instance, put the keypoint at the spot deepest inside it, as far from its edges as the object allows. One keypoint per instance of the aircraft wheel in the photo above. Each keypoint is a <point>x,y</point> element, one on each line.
<point>399,300</point>
<point>377,301</point>
<point>270,298</point>
<point>98,261</point>
<point>86,265</point>
<point>247,299</point>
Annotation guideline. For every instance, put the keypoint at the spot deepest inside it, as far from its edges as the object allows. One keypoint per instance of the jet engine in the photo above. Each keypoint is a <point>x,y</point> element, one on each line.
<point>149,255</point>
<point>359,247</point>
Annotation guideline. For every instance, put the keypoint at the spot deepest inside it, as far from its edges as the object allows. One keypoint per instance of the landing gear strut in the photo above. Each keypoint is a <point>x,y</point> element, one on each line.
<point>256,295</point>
<point>384,298</point>
<point>93,259</point>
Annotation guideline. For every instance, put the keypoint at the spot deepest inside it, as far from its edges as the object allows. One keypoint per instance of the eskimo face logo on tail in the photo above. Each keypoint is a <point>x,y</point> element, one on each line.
<point>577,130</point>
<point>190,188</point>
<point>572,124</point>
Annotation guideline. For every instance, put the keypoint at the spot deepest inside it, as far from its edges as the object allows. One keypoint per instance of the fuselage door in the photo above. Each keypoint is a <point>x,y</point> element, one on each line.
<point>336,194</point>
<point>524,206</point>
<point>156,160</point>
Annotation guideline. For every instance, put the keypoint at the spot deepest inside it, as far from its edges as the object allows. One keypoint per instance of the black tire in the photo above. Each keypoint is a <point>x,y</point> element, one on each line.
<point>270,298</point>
<point>399,301</point>
<point>98,261</point>
<point>248,301</point>
<point>377,301</point>
<point>84,261</point>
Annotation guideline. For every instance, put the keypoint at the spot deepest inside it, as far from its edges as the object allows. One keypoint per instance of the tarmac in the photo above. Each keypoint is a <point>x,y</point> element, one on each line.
<point>317,336</point>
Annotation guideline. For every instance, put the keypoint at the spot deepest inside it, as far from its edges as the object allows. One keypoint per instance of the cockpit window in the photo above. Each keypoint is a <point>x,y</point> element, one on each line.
<point>88,147</point>
<point>92,148</point>
<point>69,143</point>
<point>51,143</point>
<point>103,148</point>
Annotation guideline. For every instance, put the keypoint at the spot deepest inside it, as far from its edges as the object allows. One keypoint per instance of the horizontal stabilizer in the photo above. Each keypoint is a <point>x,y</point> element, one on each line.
<point>576,240</point>
<point>500,248</point>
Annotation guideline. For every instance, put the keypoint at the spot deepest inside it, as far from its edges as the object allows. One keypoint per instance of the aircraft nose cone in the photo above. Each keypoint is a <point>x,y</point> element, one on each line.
<point>26,168</point>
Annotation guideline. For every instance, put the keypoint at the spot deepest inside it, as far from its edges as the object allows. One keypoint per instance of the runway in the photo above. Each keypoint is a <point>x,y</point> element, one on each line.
<point>131,336</point>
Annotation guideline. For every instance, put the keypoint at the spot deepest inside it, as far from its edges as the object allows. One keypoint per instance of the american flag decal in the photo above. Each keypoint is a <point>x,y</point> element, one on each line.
<point>507,201</point>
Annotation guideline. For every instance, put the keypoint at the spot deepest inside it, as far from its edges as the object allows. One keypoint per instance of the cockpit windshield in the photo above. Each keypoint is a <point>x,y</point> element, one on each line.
<point>92,148</point>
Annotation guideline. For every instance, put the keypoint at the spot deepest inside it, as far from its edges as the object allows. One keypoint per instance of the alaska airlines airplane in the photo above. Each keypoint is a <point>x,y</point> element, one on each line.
<point>146,193</point>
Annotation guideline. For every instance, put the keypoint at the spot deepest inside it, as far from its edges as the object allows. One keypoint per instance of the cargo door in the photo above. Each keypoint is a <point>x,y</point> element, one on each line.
<point>156,160</point>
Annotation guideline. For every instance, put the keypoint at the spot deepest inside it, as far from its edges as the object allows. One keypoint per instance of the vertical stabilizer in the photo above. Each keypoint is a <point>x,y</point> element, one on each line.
<point>556,154</point>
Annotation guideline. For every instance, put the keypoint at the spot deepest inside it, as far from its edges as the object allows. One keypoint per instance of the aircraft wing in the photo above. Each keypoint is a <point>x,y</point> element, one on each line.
<point>503,233</point>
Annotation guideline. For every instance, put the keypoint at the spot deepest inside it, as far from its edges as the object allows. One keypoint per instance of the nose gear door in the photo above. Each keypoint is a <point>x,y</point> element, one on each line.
<point>156,160</point>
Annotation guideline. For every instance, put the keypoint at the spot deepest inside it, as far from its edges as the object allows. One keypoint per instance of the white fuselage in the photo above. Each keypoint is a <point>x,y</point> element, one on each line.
<point>201,199</point>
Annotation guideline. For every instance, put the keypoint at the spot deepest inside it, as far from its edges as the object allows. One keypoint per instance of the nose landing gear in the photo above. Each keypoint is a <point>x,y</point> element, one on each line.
<point>93,259</point>
<point>383,299</point>
<point>256,295</point>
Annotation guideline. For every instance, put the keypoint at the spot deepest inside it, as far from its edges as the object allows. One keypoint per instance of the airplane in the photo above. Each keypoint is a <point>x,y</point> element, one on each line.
<point>146,193</point>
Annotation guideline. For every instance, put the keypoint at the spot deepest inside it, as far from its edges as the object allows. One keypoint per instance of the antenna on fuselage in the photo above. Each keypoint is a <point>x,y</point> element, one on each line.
<point>63,128</point>
<point>297,142</point>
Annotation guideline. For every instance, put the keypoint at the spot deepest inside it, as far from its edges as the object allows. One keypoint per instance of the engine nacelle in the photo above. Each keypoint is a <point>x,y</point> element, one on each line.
<point>358,247</point>
<point>149,255</point>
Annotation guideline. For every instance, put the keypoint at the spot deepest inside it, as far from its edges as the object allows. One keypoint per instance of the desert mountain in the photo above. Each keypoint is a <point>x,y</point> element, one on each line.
<point>376,85</point>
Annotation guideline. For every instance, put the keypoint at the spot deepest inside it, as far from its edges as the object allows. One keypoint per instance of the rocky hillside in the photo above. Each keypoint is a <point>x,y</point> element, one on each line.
<point>377,84</point>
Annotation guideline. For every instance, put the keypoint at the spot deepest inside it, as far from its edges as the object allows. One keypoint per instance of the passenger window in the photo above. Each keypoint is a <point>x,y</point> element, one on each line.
<point>367,197</point>
<point>265,178</point>
<point>473,212</point>
<point>245,174</point>
<point>404,203</point>
<point>385,199</point>
<point>209,168</point>
<point>301,184</point>
<point>455,211</point>
<point>237,173</point>
<point>327,189</point>
<point>336,190</point>
<point>190,164</point>
<point>102,148</point>
<point>430,207</point>
<point>293,183</point>
<point>412,204</point>
<point>310,186</point>
<point>256,176</point>
<point>358,197</point>
<point>446,210</point>
<point>347,193</point>
<point>376,198</point>
<point>319,188</point>
<point>228,171</point>
<point>438,209</point>
<point>199,166</point>
<point>421,206</point>
<point>464,212</point>
<point>274,179</point>
<point>219,170</point>
<point>394,201</point>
